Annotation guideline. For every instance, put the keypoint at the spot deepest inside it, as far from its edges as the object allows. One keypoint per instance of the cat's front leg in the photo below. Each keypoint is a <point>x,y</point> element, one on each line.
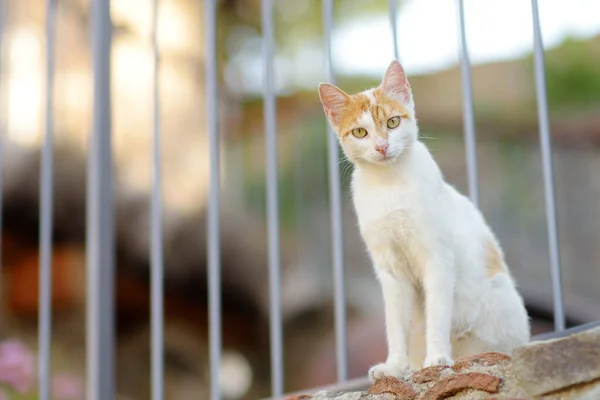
<point>399,297</point>
<point>439,281</point>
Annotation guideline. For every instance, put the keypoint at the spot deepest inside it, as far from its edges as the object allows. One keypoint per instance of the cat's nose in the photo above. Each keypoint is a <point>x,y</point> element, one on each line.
<point>382,148</point>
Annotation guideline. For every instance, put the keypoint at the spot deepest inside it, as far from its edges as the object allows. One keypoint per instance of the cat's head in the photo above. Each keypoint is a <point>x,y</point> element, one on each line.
<point>376,126</point>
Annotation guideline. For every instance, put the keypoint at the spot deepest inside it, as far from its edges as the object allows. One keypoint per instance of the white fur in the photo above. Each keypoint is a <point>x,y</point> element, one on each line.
<point>428,244</point>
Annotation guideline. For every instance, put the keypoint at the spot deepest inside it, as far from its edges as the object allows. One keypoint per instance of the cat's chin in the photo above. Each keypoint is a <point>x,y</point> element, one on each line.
<point>385,160</point>
<point>377,160</point>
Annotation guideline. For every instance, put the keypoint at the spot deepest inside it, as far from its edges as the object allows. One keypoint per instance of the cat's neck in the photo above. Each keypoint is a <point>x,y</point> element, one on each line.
<point>415,170</point>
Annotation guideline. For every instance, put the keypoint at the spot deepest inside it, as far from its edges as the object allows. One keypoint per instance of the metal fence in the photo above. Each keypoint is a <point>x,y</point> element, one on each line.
<point>100,229</point>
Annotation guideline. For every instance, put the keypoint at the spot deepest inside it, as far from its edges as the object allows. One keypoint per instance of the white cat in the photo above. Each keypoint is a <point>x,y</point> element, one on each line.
<point>446,288</point>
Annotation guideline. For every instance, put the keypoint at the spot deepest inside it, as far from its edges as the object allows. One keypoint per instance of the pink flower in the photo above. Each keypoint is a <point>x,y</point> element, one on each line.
<point>17,365</point>
<point>67,387</point>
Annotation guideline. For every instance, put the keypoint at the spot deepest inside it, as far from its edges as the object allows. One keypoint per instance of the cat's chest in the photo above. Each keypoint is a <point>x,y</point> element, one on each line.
<point>392,228</point>
<point>393,224</point>
<point>387,205</point>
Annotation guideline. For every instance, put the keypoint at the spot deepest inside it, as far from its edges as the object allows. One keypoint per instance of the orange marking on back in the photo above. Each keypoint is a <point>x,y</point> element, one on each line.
<point>494,259</point>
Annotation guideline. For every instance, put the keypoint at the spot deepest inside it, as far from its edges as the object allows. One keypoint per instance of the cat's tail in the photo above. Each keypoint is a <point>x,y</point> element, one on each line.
<point>504,323</point>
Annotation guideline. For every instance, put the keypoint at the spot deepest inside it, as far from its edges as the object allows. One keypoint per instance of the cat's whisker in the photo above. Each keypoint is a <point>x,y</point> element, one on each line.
<point>346,168</point>
<point>421,136</point>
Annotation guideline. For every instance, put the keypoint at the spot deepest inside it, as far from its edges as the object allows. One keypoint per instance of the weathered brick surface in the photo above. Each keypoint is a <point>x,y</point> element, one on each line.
<point>581,391</point>
<point>549,366</point>
<point>456,383</point>
<point>428,374</point>
<point>401,389</point>
<point>485,359</point>
<point>564,369</point>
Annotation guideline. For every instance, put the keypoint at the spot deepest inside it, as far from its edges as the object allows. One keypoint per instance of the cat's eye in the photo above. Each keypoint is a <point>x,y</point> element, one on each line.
<point>393,122</point>
<point>359,132</point>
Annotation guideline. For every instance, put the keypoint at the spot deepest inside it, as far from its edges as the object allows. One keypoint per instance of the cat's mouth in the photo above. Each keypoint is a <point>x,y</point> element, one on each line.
<point>384,158</point>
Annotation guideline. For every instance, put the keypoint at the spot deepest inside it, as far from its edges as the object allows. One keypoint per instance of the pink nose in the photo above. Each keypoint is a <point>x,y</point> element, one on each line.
<point>382,148</point>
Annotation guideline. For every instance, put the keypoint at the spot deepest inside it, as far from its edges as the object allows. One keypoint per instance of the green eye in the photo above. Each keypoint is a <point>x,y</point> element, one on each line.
<point>393,122</point>
<point>359,132</point>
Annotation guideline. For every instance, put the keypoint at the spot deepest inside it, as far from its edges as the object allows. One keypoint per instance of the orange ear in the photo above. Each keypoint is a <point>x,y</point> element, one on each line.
<point>395,84</point>
<point>334,101</point>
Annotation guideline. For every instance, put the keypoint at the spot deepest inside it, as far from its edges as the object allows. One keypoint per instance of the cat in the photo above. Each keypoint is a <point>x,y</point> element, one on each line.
<point>447,289</point>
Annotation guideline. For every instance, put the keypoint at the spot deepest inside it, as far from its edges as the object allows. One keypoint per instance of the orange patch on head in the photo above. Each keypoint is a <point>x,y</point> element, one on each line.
<point>344,110</point>
<point>494,262</point>
<point>357,106</point>
<point>391,106</point>
<point>381,110</point>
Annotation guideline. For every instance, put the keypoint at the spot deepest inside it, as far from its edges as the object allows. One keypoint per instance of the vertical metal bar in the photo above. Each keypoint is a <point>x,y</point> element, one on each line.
<point>299,135</point>
<point>335,201</point>
<point>546,149</point>
<point>2,125</point>
<point>272,199</point>
<point>393,6</point>
<point>214,243</point>
<point>100,214</point>
<point>468,109</point>
<point>46,213</point>
<point>157,266</point>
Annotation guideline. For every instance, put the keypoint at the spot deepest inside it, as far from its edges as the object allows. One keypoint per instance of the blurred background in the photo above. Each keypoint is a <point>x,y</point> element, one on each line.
<point>500,42</point>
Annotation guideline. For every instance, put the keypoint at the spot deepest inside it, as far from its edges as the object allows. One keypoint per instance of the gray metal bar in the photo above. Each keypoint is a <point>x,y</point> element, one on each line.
<point>2,125</point>
<point>565,332</point>
<point>393,6</point>
<point>100,215</point>
<point>546,149</point>
<point>214,242</point>
<point>156,250</point>
<point>299,135</point>
<point>335,201</point>
<point>46,213</point>
<point>272,199</point>
<point>468,109</point>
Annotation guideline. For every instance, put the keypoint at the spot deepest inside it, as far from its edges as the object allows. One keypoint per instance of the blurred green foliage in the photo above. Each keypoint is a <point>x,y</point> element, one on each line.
<point>299,19</point>
<point>572,74</point>
<point>297,23</point>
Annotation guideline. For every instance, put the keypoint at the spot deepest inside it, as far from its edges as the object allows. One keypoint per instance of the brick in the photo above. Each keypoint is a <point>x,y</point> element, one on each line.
<point>456,383</point>
<point>484,359</point>
<point>428,374</point>
<point>401,389</point>
<point>544,367</point>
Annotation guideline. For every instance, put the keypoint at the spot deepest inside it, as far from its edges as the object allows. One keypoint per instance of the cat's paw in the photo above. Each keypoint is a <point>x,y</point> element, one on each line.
<point>391,369</point>
<point>437,359</point>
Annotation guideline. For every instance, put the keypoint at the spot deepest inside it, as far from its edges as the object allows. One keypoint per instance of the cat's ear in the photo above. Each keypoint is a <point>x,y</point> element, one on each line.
<point>334,101</point>
<point>395,84</point>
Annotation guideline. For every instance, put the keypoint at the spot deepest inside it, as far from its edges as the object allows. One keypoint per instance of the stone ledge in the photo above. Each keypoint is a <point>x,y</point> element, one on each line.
<point>546,367</point>
<point>559,369</point>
